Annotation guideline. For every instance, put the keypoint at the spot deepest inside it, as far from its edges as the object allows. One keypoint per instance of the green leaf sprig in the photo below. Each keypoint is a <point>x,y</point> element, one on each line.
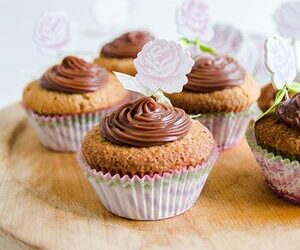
<point>202,46</point>
<point>292,88</point>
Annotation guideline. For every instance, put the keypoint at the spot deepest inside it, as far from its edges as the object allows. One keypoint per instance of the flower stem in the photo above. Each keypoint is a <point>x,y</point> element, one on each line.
<point>294,44</point>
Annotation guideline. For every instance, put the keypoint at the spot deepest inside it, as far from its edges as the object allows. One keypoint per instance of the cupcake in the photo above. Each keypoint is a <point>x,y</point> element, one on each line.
<point>275,137</point>
<point>118,55</point>
<point>69,99</point>
<point>275,142</point>
<point>148,160</point>
<point>266,99</point>
<point>221,95</point>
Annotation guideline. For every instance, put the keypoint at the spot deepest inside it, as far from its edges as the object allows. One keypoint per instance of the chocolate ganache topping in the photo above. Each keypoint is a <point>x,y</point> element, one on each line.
<point>127,45</point>
<point>289,112</point>
<point>214,72</point>
<point>74,75</point>
<point>145,123</point>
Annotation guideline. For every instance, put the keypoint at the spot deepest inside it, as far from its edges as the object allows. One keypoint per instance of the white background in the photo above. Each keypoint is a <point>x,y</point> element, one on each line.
<point>21,59</point>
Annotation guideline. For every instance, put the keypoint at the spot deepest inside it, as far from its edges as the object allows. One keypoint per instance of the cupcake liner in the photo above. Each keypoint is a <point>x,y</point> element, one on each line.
<point>228,128</point>
<point>281,174</point>
<point>150,198</point>
<point>64,132</point>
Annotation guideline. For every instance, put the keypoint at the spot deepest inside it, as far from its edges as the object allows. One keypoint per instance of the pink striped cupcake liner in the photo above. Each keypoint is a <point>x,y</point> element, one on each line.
<point>64,133</point>
<point>150,198</point>
<point>228,129</point>
<point>281,174</point>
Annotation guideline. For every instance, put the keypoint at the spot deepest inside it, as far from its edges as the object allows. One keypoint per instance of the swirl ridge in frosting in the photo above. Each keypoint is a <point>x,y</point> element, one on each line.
<point>145,123</point>
<point>214,72</point>
<point>127,45</point>
<point>289,112</point>
<point>74,75</point>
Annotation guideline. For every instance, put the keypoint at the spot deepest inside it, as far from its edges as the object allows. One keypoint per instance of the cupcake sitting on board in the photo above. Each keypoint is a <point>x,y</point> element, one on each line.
<point>118,54</point>
<point>222,95</point>
<point>275,137</point>
<point>148,160</point>
<point>69,99</point>
<point>219,92</point>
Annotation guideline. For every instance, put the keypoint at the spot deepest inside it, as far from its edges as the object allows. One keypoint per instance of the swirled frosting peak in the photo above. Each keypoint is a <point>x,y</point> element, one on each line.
<point>289,112</point>
<point>127,45</point>
<point>214,72</point>
<point>145,123</point>
<point>74,75</point>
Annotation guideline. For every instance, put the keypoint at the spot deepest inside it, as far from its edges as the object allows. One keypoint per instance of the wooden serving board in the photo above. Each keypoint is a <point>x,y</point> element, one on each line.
<point>47,203</point>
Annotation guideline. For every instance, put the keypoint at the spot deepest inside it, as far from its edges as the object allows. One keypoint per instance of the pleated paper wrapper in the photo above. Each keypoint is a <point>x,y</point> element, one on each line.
<point>150,198</point>
<point>281,174</point>
<point>64,133</point>
<point>228,129</point>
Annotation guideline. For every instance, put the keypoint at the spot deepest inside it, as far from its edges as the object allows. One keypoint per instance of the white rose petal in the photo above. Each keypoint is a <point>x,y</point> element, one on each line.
<point>163,65</point>
<point>53,32</point>
<point>280,61</point>
<point>287,19</point>
<point>193,20</point>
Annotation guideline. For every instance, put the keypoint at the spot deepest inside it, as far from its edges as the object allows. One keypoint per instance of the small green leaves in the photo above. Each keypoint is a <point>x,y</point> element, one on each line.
<point>278,98</point>
<point>293,88</point>
<point>202,46</point>
<point>184,42</point>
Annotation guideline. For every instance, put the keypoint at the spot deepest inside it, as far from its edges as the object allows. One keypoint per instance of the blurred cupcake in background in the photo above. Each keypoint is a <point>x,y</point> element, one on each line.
<point>275,137</point>
<point>148,160</point>
<point>222,96</point>
<point>219,92</point>
<point>69,99</point>
<point>267,96</point>
<point>118,54</point>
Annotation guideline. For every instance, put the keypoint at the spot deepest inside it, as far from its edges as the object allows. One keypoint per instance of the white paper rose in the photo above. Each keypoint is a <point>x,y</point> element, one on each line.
<point>53,32</point>
<point>193,20</point>
<point>280,61</point>
<point>163,65</point>
<point>108,14</point>
<point>287,19</point>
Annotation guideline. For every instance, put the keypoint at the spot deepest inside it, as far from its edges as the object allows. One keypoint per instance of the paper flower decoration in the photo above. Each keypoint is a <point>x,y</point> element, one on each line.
<point>161,66</point>
<point>53,32</point>
<point>287,19</point>
<point>193,20</point>
<point>280,61</point>
<point>108,14</point>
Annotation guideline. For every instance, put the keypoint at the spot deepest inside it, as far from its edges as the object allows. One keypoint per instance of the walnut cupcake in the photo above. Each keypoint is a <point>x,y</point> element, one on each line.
<point>221,95</point>
<point>118,55</point>
<point>69,99</point>
<point>275,142</point>
<point>148,160</point>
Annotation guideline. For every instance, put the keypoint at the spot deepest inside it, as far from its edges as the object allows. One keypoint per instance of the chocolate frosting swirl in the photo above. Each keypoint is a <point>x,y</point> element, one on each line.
<point>214,72</point>
<point>74,75</point>
<point>127,45</point>
<point>289,112</point>
<point>145,123</point>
